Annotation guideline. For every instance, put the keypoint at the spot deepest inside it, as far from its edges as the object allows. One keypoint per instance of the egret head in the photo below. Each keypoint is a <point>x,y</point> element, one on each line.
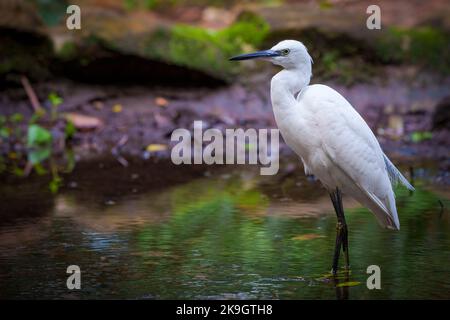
<point>289,54</point>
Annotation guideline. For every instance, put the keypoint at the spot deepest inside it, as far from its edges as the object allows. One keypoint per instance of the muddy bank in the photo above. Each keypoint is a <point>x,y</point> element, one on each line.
<point>127,120</point>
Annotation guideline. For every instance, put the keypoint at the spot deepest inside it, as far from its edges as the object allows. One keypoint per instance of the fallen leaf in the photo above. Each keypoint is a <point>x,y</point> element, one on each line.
<point>340,274</point>
<point>161,102</point>
<point>348,284</point>
<point>156,147</point>
<point>307,236</point>
<point>117,108</point>
<point>83,122</point>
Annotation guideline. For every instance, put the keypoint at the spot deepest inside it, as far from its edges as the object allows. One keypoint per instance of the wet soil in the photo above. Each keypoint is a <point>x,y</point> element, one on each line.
<point>134,117</point>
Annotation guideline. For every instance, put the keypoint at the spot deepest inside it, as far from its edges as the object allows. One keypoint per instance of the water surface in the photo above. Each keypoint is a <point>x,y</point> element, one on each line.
<point>155,232</point>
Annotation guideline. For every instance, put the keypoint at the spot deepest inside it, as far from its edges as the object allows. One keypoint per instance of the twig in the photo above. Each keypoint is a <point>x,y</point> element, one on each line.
<point>116,151</point>
<point>122,161</point>
<point>122,141</point>
<point>31,94</point>
<point>28,168</point>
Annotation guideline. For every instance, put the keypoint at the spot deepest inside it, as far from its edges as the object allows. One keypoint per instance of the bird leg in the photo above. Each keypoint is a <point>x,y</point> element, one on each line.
<point>341,231</point>
<point>337,249</point>
<point>344,231</point>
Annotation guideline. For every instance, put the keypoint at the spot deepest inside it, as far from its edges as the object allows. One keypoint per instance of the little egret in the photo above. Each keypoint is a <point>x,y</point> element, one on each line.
<point>333,141</point>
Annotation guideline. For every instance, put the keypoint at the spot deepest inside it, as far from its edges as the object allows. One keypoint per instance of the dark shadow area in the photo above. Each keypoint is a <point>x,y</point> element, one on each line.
<point>116,68</point>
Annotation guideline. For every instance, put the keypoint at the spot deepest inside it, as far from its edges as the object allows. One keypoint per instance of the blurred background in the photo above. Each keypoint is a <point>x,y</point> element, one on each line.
<point>85,123</point>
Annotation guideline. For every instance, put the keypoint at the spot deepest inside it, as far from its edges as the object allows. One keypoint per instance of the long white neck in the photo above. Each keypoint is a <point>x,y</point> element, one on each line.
<point>286,84</point>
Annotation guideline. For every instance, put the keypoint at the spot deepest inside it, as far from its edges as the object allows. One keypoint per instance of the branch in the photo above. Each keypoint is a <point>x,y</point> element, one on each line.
<point>31,94</point>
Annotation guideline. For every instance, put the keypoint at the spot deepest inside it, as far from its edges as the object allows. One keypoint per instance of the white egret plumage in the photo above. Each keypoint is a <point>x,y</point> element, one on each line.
<point>333,141</point>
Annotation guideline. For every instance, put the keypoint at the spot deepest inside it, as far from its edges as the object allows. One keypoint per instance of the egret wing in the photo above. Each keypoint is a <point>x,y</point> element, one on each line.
<point>355,153</point>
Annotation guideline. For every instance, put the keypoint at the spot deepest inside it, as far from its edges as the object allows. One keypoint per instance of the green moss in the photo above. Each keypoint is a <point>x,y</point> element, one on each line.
<point>68,51</point>
<point>207,50</point>
<point>166,4</point>
<point>426,46</point>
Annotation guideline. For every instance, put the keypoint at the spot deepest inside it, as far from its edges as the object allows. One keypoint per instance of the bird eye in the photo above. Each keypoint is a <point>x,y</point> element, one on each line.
<point>285,52</point>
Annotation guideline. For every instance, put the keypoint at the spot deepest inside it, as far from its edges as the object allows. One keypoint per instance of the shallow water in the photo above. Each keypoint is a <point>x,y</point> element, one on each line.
<point>226,234</point>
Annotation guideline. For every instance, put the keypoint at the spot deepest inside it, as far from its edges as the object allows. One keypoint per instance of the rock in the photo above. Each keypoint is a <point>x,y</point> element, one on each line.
<point>20,15</point>
<point>441,115</point>
<point>124,44</point>
<point>351,18</point>
<point>412,34</point>
<point>25,48</point>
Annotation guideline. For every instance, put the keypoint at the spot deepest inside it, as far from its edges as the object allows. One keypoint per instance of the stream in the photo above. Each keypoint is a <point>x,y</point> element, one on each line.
<point>158,231</point>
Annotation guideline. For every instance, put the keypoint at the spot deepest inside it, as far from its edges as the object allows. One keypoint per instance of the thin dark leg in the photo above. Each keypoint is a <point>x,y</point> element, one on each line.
<point>344,231</point>
<point>338,242</point>
<point>341,231</point>
<point>342,293</point>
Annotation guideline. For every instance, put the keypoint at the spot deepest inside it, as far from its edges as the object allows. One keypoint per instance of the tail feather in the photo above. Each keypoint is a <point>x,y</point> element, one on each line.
<point>395,175</point>
<point>384,209</point>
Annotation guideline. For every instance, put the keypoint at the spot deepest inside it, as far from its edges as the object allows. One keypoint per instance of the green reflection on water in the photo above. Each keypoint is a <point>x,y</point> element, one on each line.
<point>227,238</point>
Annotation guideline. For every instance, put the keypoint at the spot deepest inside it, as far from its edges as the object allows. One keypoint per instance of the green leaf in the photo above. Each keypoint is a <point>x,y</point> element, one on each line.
<point>54,99</point>
<point>55,184</point>
<point>16,117</point>
<point>37,115</point>
<point>420,136</point>
<point>18,171</point>
<point>69,130</point>
<point>38,136</point>
<point>37,156</point>
<point>4,132</point>
<point>40,170</point>
<point>348,284</point>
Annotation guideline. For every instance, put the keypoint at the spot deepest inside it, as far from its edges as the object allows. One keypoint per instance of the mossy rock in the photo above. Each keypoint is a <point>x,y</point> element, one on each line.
<point>190,47</point>
<point>338,39</point>
<point>426,45</point>
<point>208,50</point>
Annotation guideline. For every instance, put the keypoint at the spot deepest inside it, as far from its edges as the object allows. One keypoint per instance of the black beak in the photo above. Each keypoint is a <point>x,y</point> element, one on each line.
<point>254,55</point>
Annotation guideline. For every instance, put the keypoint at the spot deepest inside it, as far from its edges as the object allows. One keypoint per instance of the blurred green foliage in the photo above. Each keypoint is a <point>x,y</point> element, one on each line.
<point>164,4</point>
<point>36,148</point>
<point>51,11</point>
<point>38,136</point>
<point>427,46</point>
<point>208,50</point>
<point>419,136</point>
<point>339,55</point>
<point>39,142</point>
